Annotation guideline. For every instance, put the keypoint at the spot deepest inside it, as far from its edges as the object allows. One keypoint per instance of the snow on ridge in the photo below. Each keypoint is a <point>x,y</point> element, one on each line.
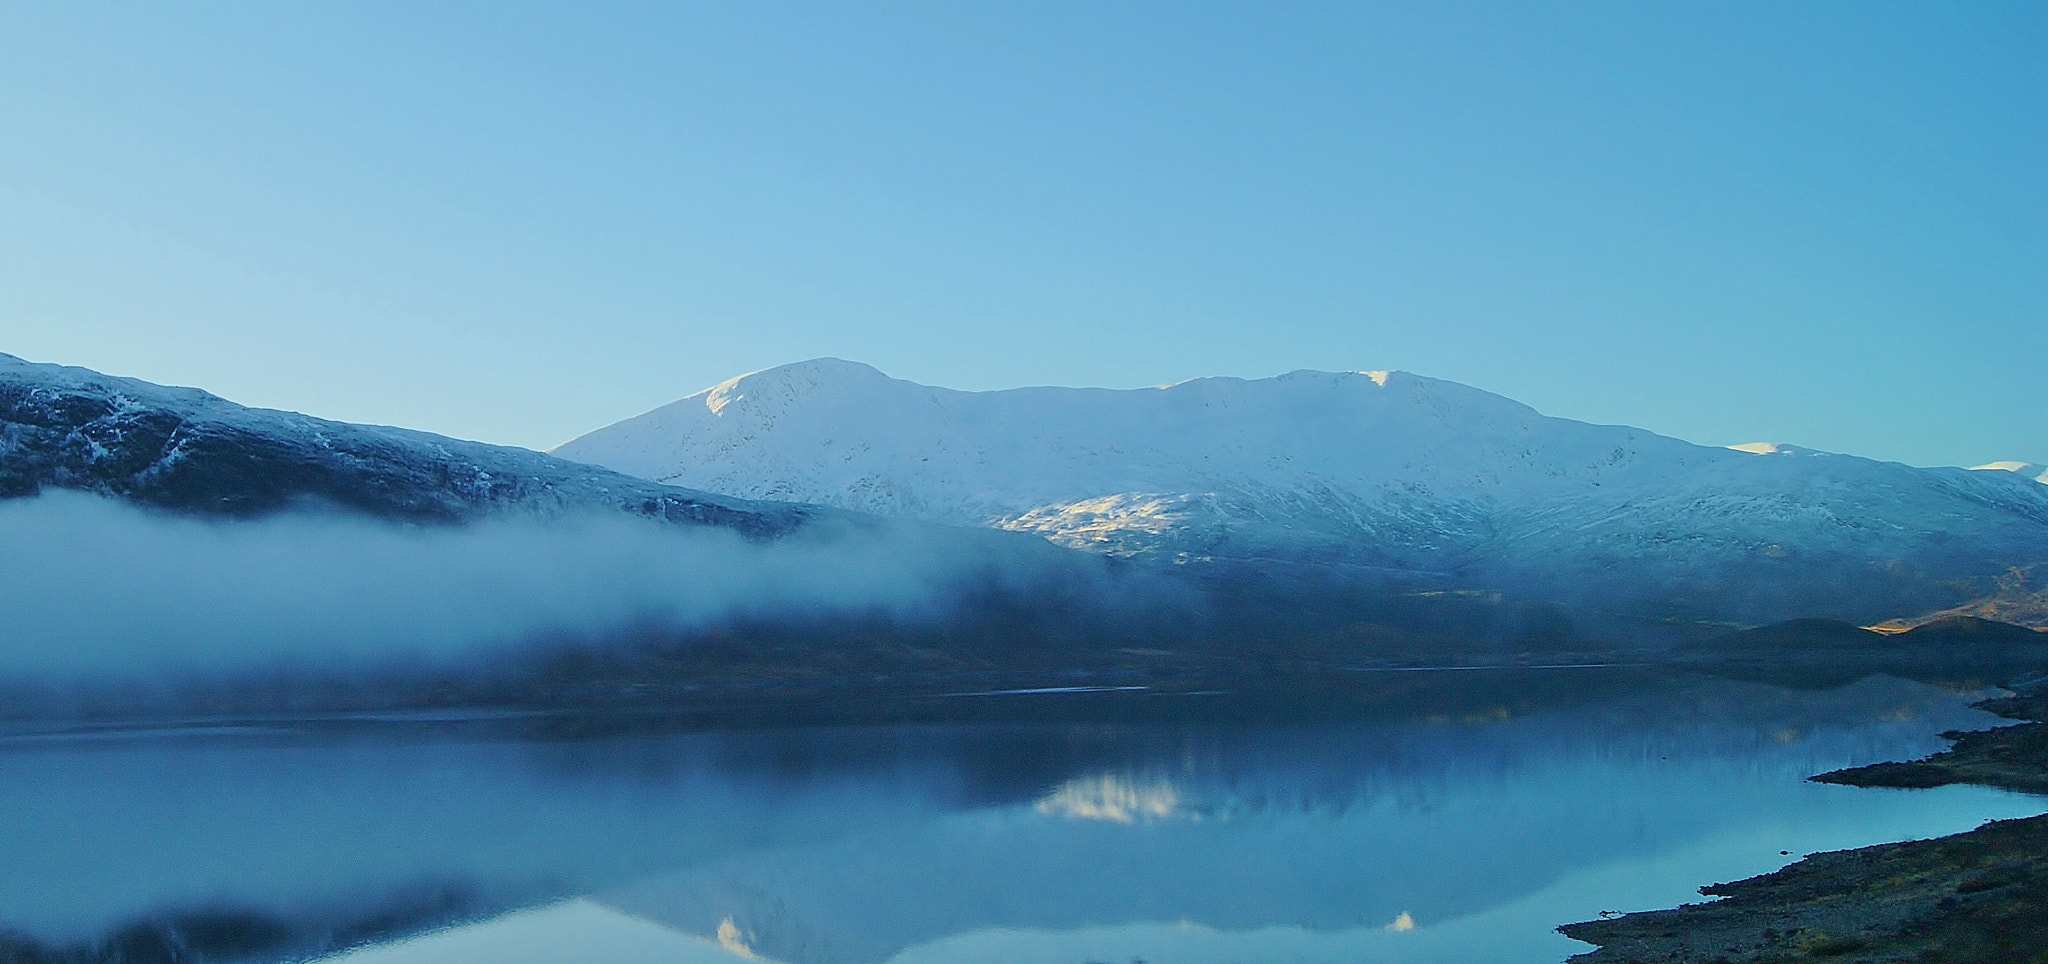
<point>2029,470</point>
<point>71,427</point>
<point>1327,457</point>
<point>845,434</point>
<point>1775,448</point>
<point>1383,469</point>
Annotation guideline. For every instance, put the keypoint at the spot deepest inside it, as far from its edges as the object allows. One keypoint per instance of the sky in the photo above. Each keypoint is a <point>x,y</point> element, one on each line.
<point>1817,223</point>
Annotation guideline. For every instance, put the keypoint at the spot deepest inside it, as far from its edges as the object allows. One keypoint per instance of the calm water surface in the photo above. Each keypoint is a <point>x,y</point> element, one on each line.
<point>1408,836</point>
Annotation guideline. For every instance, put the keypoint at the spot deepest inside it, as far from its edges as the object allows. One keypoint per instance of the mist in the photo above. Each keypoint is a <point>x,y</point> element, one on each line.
<point>92,588</point>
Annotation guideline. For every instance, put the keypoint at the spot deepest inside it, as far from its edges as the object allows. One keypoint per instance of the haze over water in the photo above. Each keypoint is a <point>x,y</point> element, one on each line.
<point>1442,836</point>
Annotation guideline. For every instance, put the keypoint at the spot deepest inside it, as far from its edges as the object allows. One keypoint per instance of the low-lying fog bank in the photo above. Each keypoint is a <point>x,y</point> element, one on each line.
<point>99,591</point>
<point>118,611</point>
<point>95,586</point>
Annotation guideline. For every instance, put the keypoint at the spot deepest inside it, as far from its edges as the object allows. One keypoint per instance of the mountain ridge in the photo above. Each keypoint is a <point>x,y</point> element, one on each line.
<point>187,449</point>
<point>1386,470</point>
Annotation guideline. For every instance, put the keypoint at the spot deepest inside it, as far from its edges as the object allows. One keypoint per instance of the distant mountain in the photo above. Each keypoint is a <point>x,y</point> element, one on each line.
<point>2031,470</point>
<point>1371,472</point>
<point>187,450</point>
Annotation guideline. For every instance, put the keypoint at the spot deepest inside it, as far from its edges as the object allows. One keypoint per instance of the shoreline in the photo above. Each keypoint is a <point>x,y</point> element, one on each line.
<point>1975,896</point>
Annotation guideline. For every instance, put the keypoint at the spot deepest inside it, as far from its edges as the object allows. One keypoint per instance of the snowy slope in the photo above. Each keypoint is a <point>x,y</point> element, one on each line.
<point>1375,469</point>
<point>185,449</point>
<point>2031,470</point>
<point>1312,453</point>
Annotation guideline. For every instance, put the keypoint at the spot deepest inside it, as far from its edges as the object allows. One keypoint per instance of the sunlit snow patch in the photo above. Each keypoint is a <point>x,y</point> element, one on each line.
<point>2032,470</point>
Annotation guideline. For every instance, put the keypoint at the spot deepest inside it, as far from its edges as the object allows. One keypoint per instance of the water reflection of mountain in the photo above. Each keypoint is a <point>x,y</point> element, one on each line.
<point>850,844</point>
<point>1329,828</point>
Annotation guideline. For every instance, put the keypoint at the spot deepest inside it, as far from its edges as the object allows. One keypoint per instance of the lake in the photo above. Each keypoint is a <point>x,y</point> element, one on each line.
<point>1461,821</point>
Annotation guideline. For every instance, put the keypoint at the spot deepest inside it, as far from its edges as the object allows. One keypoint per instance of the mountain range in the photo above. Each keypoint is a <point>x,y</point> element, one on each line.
<point>1358,493</point>
<point>1384,474</point>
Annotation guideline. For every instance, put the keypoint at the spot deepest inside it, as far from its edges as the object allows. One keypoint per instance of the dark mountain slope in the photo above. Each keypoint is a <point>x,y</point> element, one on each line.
<point>190,451</point>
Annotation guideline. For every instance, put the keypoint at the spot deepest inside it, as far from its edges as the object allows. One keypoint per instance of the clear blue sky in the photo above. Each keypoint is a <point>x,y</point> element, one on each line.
<point>1819,223</point>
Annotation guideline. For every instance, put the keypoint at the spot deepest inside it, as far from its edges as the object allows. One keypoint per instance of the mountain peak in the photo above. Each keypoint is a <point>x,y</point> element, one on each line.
<point>823,367</point>
<point>785,384</point>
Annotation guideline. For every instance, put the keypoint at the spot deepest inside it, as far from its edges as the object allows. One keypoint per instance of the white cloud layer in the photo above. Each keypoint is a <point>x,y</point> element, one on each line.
<point>92,586</point>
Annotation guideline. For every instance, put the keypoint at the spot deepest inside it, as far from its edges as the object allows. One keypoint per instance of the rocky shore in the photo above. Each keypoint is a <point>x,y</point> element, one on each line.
<point>1980,896</point>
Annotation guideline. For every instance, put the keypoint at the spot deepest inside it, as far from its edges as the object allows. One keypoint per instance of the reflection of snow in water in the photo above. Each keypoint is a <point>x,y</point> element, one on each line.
<point>1400,840</point>
<point>735,940</point>
<point>1112,799</point>
<point>573,930</point>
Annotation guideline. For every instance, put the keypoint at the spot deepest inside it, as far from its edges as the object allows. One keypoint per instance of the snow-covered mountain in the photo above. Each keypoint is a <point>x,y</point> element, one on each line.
<point>185,449</point>
<point>1385,471</point>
